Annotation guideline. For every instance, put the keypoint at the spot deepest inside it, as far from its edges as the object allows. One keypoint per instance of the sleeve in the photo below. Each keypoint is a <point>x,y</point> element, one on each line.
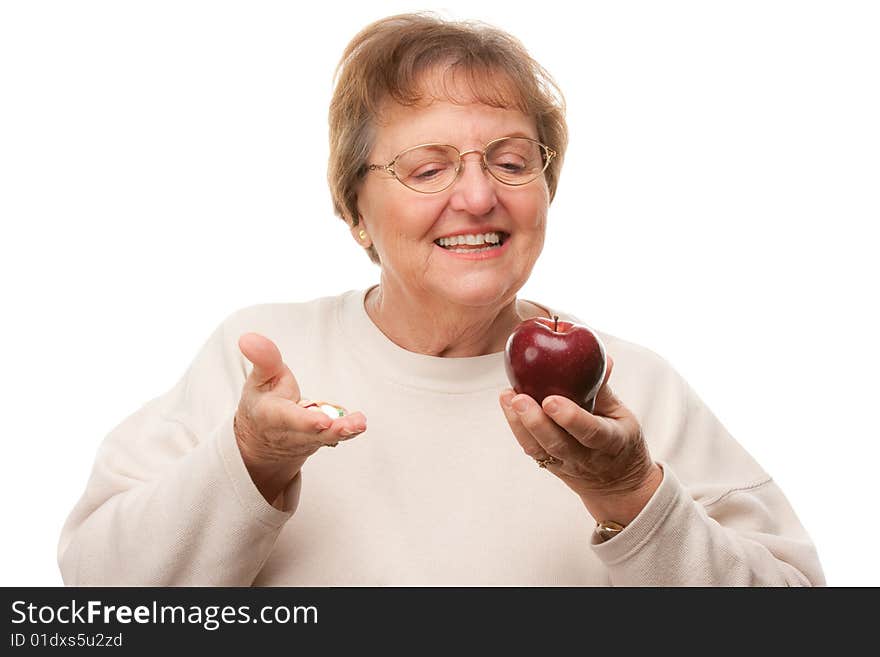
<point>169,501</point>
<point>717,518</point>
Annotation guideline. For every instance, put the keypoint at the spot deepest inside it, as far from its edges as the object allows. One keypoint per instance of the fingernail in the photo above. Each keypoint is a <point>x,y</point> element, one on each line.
<point>551,407</point>
<point>520,405</point>
<point>505,399</point>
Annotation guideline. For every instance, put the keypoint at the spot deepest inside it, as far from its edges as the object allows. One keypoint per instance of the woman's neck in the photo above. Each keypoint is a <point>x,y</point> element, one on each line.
<point>444,330</point>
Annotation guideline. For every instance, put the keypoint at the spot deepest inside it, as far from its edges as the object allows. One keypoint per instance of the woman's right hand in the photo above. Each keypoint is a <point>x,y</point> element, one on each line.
<point>275,435</point>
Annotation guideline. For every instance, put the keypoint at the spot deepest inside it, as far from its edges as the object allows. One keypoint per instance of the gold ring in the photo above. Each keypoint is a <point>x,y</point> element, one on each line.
<point>550,460</point>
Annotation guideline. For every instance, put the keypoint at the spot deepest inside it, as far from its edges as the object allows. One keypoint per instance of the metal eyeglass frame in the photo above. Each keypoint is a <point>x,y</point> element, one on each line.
<point>549,154</point>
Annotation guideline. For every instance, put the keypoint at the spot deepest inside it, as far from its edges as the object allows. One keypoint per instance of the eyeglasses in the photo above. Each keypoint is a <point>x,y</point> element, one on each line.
<point>431,168</point>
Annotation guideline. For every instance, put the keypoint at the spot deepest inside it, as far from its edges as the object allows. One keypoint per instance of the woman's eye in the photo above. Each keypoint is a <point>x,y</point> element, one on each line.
<point>427,172</point>
<point>511,165</point>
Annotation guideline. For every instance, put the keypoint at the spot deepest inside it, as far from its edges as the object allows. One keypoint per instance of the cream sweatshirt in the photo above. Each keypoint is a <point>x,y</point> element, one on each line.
<point>435,492</point>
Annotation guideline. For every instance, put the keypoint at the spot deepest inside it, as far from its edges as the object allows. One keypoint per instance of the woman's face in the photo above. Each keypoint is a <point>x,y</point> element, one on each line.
<point>403,224</point>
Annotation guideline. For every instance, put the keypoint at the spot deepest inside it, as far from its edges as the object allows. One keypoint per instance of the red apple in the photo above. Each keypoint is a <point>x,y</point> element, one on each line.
<point>546,357</point>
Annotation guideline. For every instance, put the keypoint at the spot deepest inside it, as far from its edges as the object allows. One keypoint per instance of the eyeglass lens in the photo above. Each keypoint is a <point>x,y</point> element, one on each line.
<point>513,160</point>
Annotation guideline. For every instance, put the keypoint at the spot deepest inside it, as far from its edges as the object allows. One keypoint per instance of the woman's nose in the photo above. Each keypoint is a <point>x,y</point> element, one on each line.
<point>474,189</point>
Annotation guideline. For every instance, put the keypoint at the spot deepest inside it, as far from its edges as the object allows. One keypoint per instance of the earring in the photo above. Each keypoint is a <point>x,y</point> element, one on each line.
<point>362,234</point>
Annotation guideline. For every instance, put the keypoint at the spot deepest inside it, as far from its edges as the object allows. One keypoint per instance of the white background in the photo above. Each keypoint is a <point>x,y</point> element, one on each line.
<point>163,164</point>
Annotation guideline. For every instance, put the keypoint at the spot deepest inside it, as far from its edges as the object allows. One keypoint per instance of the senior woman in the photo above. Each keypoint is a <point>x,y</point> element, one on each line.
<point>446,145</point>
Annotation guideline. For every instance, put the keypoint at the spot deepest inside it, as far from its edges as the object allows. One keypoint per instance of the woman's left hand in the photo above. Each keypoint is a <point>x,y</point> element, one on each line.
<point>602,456</point>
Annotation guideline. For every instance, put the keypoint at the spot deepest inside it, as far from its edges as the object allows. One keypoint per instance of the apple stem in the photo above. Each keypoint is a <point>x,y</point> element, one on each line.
<point>555,322</point>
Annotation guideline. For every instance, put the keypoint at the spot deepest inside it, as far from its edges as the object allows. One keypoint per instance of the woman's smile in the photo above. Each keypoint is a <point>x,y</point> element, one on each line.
<point>476,251</point>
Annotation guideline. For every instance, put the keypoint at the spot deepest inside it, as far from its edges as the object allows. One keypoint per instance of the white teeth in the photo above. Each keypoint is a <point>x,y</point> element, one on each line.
<point>491,238</point>
<point>485,248</point>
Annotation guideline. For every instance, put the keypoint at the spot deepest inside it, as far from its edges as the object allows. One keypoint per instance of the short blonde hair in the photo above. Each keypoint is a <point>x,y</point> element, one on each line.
<point>389,58</point>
